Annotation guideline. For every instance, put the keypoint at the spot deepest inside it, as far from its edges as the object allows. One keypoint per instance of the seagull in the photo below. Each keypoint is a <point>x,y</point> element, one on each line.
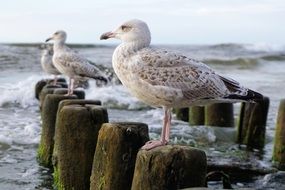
<point>71,64</point>
<point>166,79</point>
<point>47,65</point>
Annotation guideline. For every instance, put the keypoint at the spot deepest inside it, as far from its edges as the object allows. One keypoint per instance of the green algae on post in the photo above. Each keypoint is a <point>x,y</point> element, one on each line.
<point>77,128</point>
<point>220,115</point>
<point>170,167</point>
<point>48,115</point>
<point>115,156</point>
<point>197,115</point>
<point>279,143</point>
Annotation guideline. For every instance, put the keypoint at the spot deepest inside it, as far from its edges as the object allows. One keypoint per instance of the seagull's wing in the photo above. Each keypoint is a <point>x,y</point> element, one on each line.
<point>195,79</point>
<point>79,65</point>
<point>48,66</point>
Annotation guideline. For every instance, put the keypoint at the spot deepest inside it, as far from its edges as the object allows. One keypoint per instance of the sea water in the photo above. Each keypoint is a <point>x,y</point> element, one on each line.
<point>260,67</point>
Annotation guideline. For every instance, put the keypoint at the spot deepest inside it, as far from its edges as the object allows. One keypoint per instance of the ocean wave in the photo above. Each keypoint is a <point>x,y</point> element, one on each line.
<point>249,61</point>
<point>21,93</point>
<point>256,47</point>
<point>238,61</point>
<point>264,47</point>
<point>278,57</point>
<point>114,96</point>
<point>27,134</point>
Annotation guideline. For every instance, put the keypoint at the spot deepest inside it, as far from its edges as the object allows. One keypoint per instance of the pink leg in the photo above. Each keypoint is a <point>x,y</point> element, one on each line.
<point>164,132</point>
<point>167,133</point>
<point>70,87</point>
<point>55,80</point>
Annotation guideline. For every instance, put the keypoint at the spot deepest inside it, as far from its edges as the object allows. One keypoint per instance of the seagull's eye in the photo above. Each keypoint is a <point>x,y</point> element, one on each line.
<point>126,28</point>
<point>56,33</point>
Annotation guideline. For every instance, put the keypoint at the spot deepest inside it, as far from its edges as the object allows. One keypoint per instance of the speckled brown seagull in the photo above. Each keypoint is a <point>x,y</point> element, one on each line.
<point>166,79</point>
<point>47,64</point>
<point>70,63</point>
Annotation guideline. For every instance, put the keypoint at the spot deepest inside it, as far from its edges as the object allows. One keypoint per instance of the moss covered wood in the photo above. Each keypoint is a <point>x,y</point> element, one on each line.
<point>197,115</point>
<point>279,141</point>
<point>182,114</point>
<point>77,128</point>
<point>48,89</point>
<point>39,86</point>
<point>48,115</point>
<point>170,167</point>
<point>79,93</point>
<point>42,83</point>
<point>115,156</point>
<point>252,123</point>
<point>219,114</point>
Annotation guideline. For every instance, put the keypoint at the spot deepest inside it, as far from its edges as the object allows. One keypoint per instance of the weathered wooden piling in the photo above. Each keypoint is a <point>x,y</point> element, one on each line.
<point>42,83</point>
<point>79,93</point>
<point>39,86</point>
<point>197,115</point>
<point>279,141</point>
<point>81,102</point>
<point>182,114</point>
<point>48,115</point>
<point>48,89</point>
<point>115,156</point>
<point>77,128</point>
<point>170,167</point>
<point>219,114</point>
<point>77,102</point>
<point>252,123</point>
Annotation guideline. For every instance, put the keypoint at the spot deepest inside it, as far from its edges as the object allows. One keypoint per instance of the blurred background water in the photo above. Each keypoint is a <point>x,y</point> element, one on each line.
<point>258,66</point>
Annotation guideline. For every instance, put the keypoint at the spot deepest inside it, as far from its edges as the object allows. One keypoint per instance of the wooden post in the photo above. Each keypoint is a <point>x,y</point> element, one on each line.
<point>252,123</point>
<point>170,167</point>
<point>219,114</point>
<point>81,102</point>
<point>48,116</point>
<point>48,89</point>
<point>279,142</point>
<point>42,83</point>
<point>79,93</point>
<point>39,86</point>
<point>77,102</point>
<point>197,115</point>
<point>76,134</point>
<point>115,156</point>
<point>182,113</point>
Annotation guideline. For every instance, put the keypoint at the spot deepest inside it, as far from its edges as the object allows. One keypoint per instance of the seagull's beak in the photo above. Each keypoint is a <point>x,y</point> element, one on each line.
<point>107,35</point>
<point>49,39</point>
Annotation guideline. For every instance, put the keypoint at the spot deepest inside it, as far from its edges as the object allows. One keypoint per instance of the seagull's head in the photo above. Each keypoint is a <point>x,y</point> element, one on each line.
<point>59,35</point>
<point>131,31</point>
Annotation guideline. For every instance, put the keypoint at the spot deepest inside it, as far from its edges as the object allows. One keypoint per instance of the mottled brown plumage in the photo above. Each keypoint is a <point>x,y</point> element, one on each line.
<point>70,63</point>
<point>168,79</point>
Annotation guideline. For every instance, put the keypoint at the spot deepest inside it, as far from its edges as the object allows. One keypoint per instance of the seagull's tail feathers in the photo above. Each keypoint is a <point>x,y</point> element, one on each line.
<point>98,75</point>
<point>91,71</point>
<point>101,78</point>
<point>238,92</point>
<point>251,96</point>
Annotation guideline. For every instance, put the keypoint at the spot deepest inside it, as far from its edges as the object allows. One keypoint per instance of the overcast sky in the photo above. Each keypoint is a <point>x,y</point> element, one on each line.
<point>170,21</point>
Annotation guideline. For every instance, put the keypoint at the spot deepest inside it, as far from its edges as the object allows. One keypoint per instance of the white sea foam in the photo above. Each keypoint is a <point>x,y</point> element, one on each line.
<point>8,160</point>
<point>181,132</point>
<point>5,139</point>
<point>27,134</point>
<point>29,172</point>
<point>115,96</point>
<point>21,93</point>
<point>264,47</point>
<point>31,134</point>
